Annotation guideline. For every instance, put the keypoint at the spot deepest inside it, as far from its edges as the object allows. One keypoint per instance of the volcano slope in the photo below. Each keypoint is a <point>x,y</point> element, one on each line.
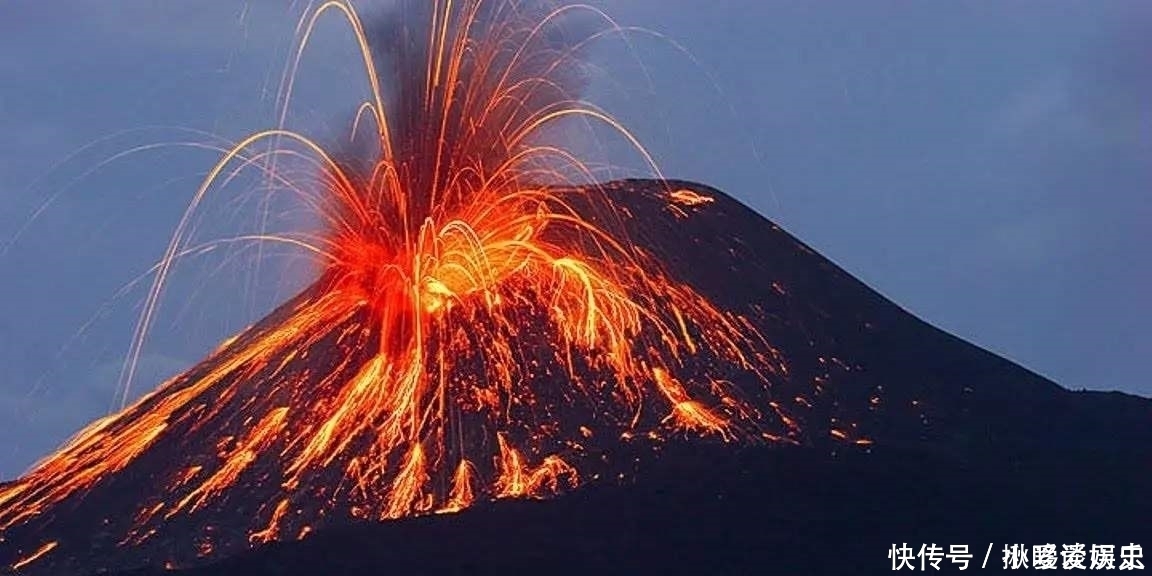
<point>883,430</point>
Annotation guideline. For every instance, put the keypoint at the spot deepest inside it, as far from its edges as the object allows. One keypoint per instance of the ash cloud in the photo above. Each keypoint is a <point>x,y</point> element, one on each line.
<point>552,64</point>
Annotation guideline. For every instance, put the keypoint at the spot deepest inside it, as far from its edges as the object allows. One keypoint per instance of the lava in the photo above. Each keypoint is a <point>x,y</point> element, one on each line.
<point>481,325</point>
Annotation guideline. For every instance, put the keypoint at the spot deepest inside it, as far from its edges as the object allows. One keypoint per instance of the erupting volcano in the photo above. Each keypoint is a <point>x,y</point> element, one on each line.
<point>487,320</point>
<point>491,320</point>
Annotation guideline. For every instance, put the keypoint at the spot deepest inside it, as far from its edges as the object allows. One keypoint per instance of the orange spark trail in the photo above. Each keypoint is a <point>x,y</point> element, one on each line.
<point>38,554</point>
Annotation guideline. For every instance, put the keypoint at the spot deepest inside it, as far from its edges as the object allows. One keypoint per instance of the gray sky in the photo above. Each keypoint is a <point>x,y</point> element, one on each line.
<point>983,164</point>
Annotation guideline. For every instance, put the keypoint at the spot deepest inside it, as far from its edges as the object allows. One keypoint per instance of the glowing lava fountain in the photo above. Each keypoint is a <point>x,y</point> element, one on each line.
<point>482,325</point>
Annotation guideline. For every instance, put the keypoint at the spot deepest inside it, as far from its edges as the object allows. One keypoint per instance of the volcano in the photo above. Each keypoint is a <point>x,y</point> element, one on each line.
<point>497,319</point>
<point>866,397</point>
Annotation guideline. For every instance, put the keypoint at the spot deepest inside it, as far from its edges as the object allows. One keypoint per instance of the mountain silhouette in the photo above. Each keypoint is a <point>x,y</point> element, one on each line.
<point>877,429</point>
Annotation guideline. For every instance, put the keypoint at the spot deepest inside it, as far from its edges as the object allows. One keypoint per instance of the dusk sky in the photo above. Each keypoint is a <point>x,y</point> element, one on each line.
<point>985,165</point>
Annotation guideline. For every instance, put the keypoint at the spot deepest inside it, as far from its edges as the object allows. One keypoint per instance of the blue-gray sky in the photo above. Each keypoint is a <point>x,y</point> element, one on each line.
<point>984,164</point>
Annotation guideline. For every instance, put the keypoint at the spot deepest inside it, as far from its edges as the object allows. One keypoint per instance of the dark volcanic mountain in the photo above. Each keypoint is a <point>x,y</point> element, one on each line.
<point>879,429</point>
